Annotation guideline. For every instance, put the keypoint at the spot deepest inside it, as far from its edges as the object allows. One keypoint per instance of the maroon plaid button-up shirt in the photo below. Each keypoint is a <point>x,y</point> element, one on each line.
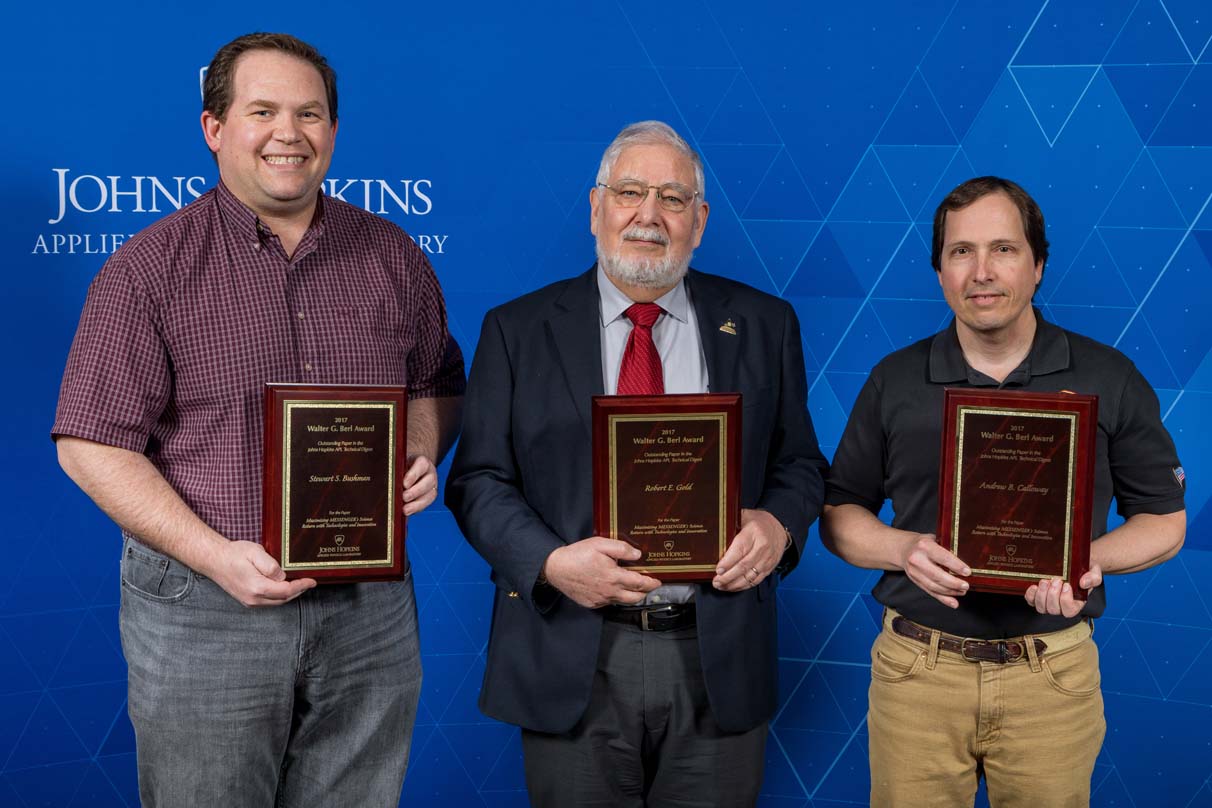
<point>185,323</point>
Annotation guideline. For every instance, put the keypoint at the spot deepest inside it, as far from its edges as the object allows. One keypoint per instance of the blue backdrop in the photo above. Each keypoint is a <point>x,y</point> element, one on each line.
<point>829,133</point>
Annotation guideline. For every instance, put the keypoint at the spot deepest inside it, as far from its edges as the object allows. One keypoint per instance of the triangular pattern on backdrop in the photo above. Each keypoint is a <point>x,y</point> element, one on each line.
<point>910,275</point>
<point>697,93</point>
<point>1146,91</point>
<point>1177,310</point>
<point>1122,663</point>
<point>812,707</point>
<point>869,247</point>
<point>782,193</point>
<point>915,172</point>
<point>1101,323</point>
<point>1186,121</point>
<point>54,787</point>
<point>569,170</point>
<point>781,245</point>
<point>907,321</point>
<point>1148,37</point>
<point>780,784</point>
<point>738,170</point>
<point>851,642</point>
<point>94,709</point>
<point>1092,279</point>
<point>1187,172</point>
<point>848,781</point>
<point>1194,25</point>
<point>1139,254</point>
<point>47,738</point>
<point>1074,33</point>
<point>741,118</point>
<point>825,272</point>
<point>869,195</point>
<point>961,79</point>
<point>1053,92</point>
<point>916,119</point>
<point>862,345</point>
<point>810,752</point>
<point>1140,345</point>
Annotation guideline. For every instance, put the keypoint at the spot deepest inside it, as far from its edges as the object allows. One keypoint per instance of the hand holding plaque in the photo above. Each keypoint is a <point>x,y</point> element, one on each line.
<point>333,494</point>
<point>1016,484</point>
<point>666,474</point>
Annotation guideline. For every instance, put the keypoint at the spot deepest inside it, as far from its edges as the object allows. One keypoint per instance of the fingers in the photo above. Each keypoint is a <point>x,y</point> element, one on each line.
<point>1092,579</point>
<point>615,548</point>
<point>254,578</point>
<point>420,485</point>
<point>1053,596</point>
<point>752,555</point>
<point>936,570</point>
<point>286,591</point>
<point>588,572</point>
<point>419,466</point>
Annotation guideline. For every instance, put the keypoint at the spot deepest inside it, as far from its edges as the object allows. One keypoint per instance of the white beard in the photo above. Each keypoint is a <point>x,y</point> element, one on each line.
<point>646,273</point>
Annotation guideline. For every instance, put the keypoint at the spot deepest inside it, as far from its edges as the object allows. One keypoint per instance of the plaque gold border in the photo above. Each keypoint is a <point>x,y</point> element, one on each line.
<point>288,405</point>
<point>962,411</point>
<point>721,418</point>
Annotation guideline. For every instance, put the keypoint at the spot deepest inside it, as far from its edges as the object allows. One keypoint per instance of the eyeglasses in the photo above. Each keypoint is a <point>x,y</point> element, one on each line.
<point>671,196</point>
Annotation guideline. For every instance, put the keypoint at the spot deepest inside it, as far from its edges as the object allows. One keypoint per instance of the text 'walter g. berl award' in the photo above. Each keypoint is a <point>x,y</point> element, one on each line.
<point>1016,484</point>
<point>333,498</point>
<point>666,479</point>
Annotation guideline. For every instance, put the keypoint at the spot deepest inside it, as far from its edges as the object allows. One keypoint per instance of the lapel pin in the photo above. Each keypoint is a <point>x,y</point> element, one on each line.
<point>729,327</point>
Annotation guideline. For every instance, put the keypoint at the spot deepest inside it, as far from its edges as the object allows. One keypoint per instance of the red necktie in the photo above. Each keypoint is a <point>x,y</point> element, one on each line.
<point>640,373</point>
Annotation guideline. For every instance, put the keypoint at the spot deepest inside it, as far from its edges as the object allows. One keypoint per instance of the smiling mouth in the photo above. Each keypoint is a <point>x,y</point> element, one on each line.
<point>284,160</point>
<point>651,237</point>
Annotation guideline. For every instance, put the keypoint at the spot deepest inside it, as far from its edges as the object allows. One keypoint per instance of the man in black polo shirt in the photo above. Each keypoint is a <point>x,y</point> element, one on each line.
<point>938,720</point>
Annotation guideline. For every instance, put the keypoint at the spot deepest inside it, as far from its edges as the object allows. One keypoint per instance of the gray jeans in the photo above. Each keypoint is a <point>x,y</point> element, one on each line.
<point>307,704</point>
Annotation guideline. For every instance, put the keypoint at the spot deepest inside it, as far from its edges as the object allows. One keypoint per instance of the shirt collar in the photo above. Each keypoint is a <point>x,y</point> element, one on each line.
<point>241,219</point>
<point>1049,353</point>
<point>613,303</point>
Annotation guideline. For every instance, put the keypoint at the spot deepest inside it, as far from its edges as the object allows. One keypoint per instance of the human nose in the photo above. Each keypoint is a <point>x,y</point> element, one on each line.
<point>984,266</point>
<point>287,131</point>
<point>649,208</point>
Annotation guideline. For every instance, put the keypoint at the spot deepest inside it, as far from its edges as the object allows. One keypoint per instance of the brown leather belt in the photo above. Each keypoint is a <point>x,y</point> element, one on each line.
<point>999,651</point>
<point>669,617</point>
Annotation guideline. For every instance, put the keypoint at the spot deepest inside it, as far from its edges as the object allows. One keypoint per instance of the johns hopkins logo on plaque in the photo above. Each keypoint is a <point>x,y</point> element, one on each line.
<point>94,212</point>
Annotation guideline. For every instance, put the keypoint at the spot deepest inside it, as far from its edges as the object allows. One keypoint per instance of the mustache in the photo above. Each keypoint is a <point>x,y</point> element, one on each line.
<point>646,234</point>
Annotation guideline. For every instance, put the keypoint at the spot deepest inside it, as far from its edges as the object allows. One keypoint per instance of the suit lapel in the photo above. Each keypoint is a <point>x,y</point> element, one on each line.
<point>576,334</point>
<point>721,330</point>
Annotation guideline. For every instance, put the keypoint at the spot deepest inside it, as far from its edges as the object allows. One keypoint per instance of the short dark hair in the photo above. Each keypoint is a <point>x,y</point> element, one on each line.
<point>217,88</point>
<point>968,192</point>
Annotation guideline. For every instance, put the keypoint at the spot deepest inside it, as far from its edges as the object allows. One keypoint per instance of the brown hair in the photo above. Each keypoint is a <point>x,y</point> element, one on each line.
<point>217,88</point>
<point>968,192</point>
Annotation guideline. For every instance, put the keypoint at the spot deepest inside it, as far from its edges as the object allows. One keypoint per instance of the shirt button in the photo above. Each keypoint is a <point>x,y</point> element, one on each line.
<point>307,366</point>
<point>300,315</point>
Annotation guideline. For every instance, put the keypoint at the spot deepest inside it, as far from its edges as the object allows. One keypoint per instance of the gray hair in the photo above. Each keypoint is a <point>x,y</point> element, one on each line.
<point>651,133</point>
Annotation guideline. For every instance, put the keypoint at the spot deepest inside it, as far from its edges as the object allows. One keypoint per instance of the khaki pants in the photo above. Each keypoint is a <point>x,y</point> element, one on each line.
<point>937,722</point>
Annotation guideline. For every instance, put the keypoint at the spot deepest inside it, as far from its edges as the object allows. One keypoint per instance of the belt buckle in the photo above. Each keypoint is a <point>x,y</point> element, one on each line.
<point>1003,650</point>
<point>964,649</point>
<point>660,611</point>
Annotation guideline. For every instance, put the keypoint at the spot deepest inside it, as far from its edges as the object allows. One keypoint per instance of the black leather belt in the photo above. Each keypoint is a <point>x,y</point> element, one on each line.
<point>669,617</point>
<point>1000,651</point>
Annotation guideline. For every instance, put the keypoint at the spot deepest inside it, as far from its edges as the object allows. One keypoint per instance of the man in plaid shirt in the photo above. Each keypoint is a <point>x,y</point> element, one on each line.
<point>246,688</point>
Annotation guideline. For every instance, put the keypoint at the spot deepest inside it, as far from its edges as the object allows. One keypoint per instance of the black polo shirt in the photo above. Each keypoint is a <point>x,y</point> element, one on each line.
<point>890,450</point>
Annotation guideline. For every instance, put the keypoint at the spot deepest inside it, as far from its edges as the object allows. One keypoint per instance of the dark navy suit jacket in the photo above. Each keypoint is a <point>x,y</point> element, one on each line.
<point>521,486</point>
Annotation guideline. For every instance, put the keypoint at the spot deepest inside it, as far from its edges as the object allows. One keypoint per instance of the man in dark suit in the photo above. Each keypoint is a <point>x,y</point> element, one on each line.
<point>630,692</point>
